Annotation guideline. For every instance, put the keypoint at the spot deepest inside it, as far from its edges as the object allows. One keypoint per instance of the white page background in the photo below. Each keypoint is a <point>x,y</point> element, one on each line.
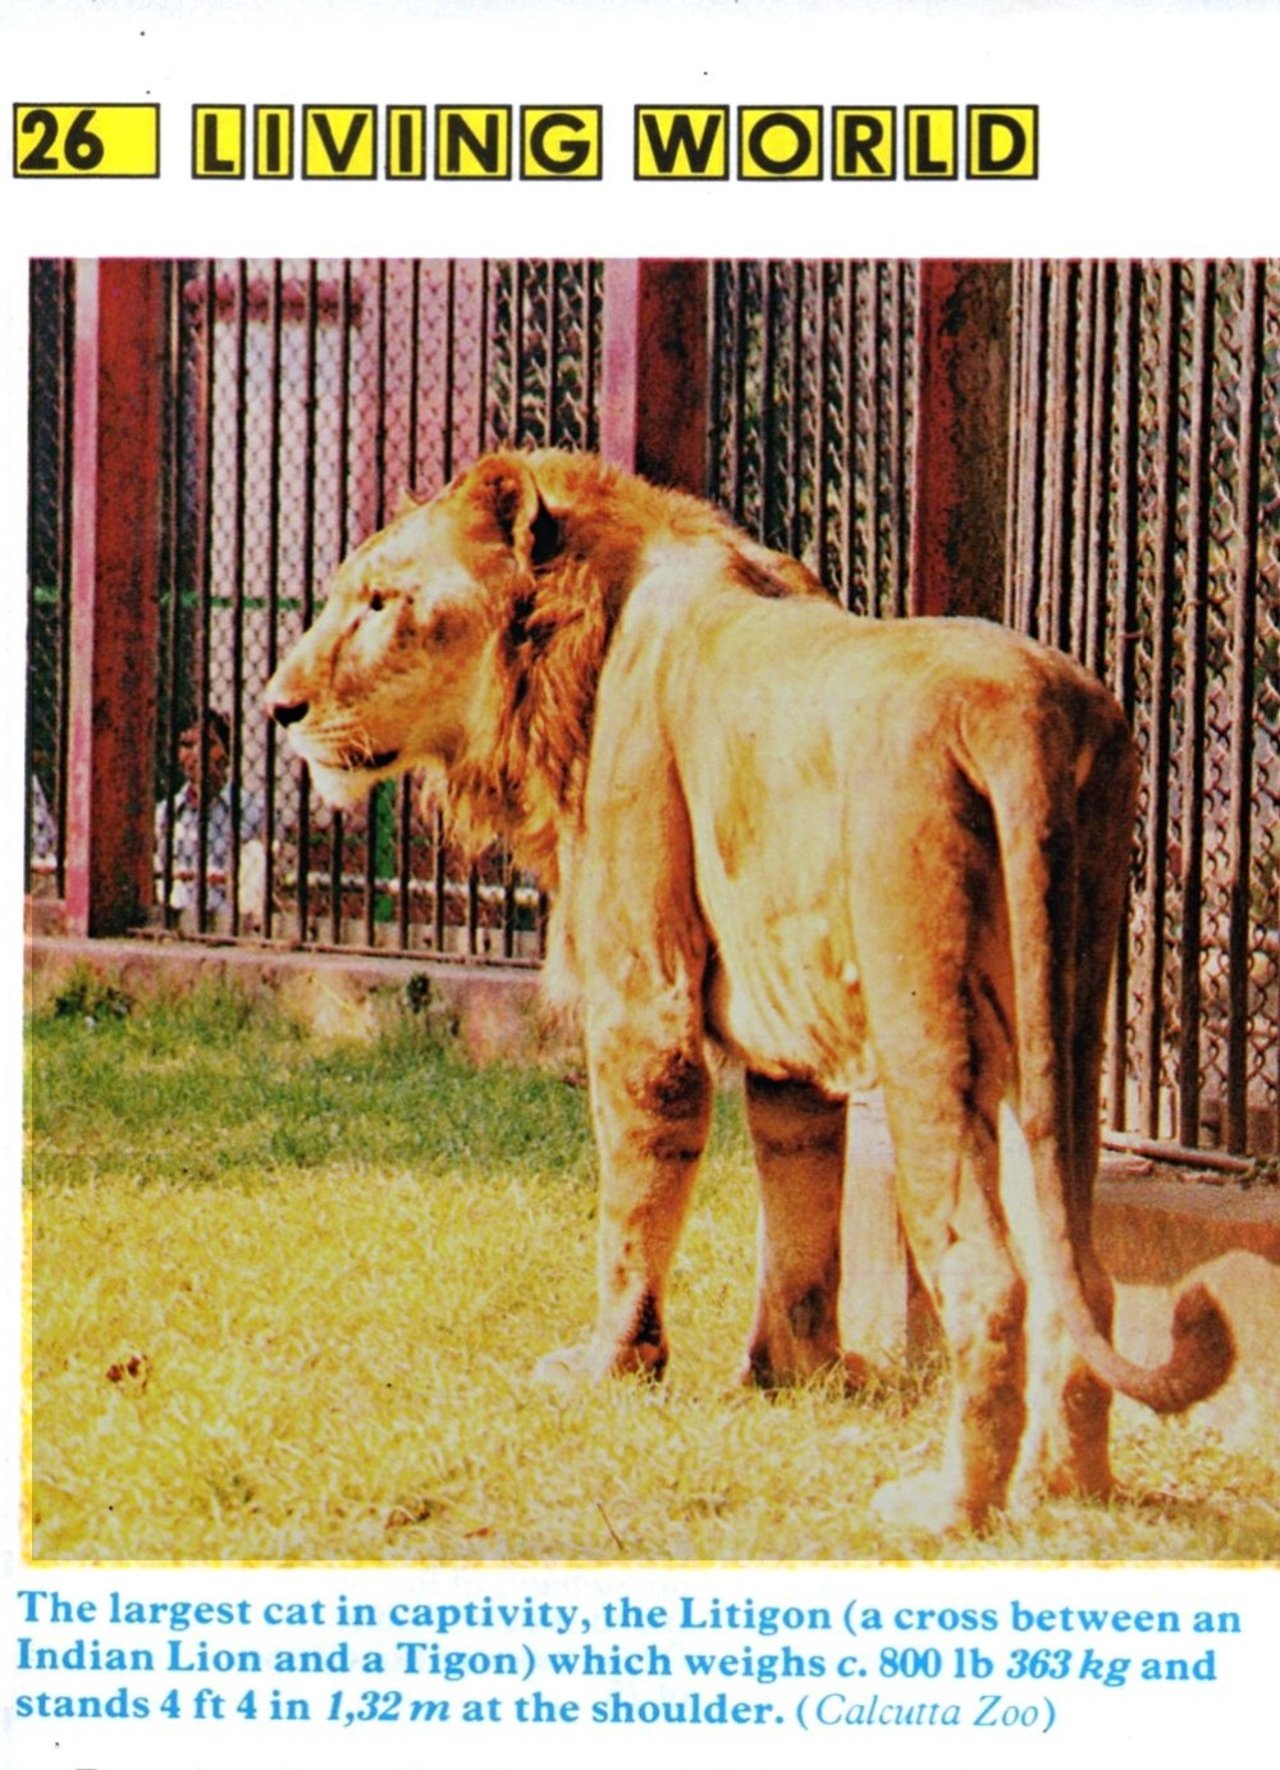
<point>1157,137</point>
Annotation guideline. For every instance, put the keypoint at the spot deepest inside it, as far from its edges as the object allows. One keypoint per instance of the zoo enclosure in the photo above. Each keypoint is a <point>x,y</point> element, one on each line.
<point>1088,451</point>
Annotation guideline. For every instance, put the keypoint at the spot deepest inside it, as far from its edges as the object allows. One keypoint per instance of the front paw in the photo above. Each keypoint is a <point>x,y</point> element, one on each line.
<point>590,1362</point>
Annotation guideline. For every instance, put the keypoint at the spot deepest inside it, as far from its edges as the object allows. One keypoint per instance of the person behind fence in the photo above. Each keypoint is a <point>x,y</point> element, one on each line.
<point>44,829</point>
<point>184,811</point>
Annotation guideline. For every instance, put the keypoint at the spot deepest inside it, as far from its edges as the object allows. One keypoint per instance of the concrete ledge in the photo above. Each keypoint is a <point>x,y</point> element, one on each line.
<point>1153,1223</point>
<point>1156,1229</point>
<point>336,995</point>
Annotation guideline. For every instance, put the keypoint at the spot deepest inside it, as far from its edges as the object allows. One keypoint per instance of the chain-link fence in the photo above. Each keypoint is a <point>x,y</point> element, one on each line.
<point>49,422</point>
<point>1144,517</point>
<point>812,407</point>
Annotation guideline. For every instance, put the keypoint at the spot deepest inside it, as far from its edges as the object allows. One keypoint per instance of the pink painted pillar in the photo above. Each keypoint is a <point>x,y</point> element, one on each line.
<point>116,536</point>
<point>653,417</point>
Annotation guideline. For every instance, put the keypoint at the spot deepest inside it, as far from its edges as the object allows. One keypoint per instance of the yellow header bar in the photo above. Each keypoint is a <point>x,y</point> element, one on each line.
<point>86,140</point>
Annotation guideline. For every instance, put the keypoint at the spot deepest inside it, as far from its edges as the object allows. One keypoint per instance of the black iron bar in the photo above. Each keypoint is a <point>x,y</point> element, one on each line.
<point>1163,548</point>
<point>1243,665</point>
<point>240,531</point>
<point>275,380</point>
<point>1195,605</point>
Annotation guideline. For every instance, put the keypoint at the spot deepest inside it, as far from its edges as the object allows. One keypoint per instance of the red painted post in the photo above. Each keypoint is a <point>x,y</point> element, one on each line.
<point>116,536</point>
<point>653,410</point>
<point>962,438</point>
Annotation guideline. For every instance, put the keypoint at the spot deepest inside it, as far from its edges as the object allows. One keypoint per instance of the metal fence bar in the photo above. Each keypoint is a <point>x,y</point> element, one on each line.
<point>876,444</point>
<point>238,588</point>
<point>591,333</point>
<point>768,415</point>
<point>1055,479</point>
<point>68,342</point>
<point>826,378</point>
<point>404,839</point>
<point>1039,563</point>
<point>204,586</point>
<point>1084,446</point>
<point>1124,680</point>
<point>378,798</point>
<point>509,912</point>
<point>337,827</point>
<point>515,419</point>
<point>309,524</point>
<point>847,496</point>
<point>553,349</point>
<point>64,573</point>
<point>1155,906</point>
<point>275,444</point>
<point>738,407</point>
<point>795,454</point>
<point>1017,440</point>
<point>1244,627</point>
<point>170,610</point>
<point>1195,665</point>
<point>450,325</point>
<point>1096,523</point>
<point>900,398</point>
<point>484,434</point>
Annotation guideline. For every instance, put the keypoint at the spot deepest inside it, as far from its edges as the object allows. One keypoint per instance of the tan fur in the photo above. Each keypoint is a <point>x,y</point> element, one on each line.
<point>838,848</point>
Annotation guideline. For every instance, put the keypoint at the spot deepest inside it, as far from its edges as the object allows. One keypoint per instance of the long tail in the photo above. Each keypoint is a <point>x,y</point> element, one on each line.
<point>1036,824</point>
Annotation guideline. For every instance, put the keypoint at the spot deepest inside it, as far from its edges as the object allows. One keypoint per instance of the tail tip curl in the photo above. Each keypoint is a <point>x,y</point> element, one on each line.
<point>1204,1351</point>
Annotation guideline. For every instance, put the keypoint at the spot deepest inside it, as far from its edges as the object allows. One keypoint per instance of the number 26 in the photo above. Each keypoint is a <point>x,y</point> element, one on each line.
<point>82,150</point>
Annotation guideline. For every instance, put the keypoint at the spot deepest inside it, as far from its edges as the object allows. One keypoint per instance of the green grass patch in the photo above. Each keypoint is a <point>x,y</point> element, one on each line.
<point>286,1302</point>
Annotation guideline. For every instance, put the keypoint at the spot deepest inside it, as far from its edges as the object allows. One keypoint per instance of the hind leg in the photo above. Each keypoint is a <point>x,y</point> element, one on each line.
<point>799,1136</point>
<point>944,1056</point>
<point>936,999</point>
<point>1064,1446</point>
<point>947,1188</point>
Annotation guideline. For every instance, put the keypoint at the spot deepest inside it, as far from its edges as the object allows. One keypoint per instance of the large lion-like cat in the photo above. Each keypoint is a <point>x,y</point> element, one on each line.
<point>841,849</point>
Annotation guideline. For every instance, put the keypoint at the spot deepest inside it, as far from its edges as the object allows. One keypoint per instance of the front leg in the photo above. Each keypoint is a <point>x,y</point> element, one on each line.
<point>651,1108</point>
<point>799,1135</point>
<point>633,922</point>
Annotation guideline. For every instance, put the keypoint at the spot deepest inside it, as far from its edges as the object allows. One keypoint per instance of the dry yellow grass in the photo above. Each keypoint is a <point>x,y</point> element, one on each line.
<point>274,1317</point>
